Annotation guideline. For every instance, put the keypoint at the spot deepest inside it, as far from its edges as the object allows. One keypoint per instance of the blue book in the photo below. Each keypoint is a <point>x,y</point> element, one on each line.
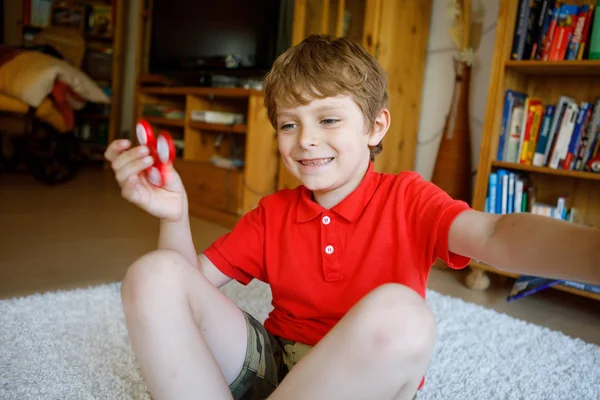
<point>546,15</point>
<point>527,285</point>
<point>492,190</point>
<point>576,136</point>
<point>520,34</point>
<point>504,130</point>
<point>540,150</point>
<point>511,192</point>
<point>502,192</point>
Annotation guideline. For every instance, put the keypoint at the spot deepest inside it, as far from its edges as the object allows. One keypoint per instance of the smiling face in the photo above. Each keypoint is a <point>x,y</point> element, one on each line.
<point>327,99</point>
<point>325,144</point>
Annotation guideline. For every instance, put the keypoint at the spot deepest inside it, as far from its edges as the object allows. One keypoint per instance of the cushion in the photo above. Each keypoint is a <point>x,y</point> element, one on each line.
<point>30,76</point>
<point>46,112</point>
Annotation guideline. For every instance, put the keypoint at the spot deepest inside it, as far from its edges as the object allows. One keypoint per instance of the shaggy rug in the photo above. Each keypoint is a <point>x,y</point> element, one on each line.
<point>73,345</point>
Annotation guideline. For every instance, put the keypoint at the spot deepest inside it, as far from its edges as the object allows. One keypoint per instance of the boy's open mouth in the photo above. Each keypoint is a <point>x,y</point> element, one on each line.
<point>316,161</point>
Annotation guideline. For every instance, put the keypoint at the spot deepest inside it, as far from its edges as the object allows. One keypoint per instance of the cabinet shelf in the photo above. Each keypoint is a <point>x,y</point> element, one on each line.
<point>564,67</point>
<point>203,126</point>
<point>180,123</point>
<point>546,170</point>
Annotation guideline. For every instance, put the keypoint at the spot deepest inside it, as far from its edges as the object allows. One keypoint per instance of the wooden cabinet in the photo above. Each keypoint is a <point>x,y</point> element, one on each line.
<point>212,187</point>
<point>396,33</point>
<point>546,81</point>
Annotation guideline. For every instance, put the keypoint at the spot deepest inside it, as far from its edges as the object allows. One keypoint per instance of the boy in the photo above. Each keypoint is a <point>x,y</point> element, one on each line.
<point>347,254</point>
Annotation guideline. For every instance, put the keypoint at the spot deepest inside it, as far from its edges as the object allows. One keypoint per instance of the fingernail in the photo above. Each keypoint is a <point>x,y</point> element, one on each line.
<point>148,159</point>
<point>144,150</point>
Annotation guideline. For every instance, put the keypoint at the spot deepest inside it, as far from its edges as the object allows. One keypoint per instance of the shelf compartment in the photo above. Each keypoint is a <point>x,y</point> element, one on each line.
<point>563,288</point>
<point>180,123</point>
<point>546,170</point>
<point>564,67</point>
<point>204,126</point>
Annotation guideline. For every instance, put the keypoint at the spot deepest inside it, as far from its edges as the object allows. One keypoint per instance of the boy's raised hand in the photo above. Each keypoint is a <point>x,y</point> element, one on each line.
<point>128,165</point>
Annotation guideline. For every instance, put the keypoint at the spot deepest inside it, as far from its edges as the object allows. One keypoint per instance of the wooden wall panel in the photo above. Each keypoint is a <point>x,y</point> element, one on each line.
<point>402,51</point>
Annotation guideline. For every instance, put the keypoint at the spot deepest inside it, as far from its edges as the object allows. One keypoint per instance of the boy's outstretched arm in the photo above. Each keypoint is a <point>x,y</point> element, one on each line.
<point>528,244</point>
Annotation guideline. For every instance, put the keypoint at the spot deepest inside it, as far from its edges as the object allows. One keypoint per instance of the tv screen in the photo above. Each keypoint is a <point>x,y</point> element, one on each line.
<point>209,35</point>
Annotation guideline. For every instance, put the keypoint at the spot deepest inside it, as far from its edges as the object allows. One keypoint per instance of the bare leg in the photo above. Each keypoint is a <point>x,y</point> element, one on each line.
<point>379,350</point>
<point>189,339</point>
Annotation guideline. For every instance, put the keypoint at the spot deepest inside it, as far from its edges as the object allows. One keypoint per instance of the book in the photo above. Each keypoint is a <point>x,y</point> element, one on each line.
<point>526,285</point>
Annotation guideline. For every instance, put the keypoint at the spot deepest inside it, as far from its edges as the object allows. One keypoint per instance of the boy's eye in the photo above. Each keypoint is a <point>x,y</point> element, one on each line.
<point>287,127</point>
<point>329,121</point>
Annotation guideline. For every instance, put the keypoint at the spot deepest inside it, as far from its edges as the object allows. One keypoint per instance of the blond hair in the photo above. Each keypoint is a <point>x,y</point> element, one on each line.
<point>321,66</point>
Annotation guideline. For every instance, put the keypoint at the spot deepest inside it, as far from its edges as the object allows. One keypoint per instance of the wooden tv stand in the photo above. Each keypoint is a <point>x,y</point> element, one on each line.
<point>218,194</point>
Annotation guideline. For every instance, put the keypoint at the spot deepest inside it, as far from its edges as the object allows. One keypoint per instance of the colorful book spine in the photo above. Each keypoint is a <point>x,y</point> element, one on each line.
<point>582,116</point>
<point>519,39</point>
<point>538,157</point>
<point>577,36</point>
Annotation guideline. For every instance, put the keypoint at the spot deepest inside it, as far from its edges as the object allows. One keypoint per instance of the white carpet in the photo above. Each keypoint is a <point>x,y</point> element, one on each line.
<point>73,345</point>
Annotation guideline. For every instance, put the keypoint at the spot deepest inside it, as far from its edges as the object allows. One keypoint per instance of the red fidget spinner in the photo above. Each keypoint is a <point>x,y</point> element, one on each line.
<point>162,149</point>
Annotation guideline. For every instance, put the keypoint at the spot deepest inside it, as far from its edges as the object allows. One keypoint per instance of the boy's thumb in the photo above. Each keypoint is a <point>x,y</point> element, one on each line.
<point>172,178</point>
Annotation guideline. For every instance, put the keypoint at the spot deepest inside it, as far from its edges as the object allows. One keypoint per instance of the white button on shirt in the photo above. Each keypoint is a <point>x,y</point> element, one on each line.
<point>329,249</point>
<point>326,220</point>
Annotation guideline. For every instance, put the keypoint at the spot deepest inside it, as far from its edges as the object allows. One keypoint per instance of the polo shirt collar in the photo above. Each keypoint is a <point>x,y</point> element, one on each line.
<point>349,208</point>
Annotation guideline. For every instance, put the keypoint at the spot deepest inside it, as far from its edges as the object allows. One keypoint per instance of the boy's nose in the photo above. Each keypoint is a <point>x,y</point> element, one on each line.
<point>308,138</point>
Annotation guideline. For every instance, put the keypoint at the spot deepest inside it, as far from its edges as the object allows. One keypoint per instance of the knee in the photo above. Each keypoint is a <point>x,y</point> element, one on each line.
<point>396,321</point>
<point>152,276</point>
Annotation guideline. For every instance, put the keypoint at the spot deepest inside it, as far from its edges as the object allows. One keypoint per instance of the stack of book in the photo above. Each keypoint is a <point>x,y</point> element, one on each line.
<point>510,192</point>
<point>562,135</point>
<point>553,30</point>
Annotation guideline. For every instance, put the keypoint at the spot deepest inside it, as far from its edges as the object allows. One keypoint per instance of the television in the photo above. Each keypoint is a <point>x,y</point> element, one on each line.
<point>192,40</point>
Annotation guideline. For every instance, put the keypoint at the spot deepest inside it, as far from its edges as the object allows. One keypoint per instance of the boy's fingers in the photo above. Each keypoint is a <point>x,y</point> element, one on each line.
<point>116,148</point>
<point>133,168</point>
<point>128,156</point>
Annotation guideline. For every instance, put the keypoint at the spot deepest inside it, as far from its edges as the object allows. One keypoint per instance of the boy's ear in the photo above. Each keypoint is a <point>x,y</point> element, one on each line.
<point>380,127</point>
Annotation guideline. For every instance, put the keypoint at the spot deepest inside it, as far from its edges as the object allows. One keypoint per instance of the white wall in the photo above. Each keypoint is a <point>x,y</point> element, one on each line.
<point>439,82</point>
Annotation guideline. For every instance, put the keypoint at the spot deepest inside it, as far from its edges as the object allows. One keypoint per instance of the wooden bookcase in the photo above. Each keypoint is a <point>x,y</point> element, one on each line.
<point>545,80</point>
<point>215,193</point>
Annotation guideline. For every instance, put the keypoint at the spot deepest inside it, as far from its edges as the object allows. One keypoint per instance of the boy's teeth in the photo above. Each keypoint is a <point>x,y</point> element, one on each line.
<point>316,162</point>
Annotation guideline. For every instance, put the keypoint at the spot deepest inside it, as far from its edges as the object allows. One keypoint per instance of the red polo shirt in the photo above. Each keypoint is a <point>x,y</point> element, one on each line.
<point>320,262</point>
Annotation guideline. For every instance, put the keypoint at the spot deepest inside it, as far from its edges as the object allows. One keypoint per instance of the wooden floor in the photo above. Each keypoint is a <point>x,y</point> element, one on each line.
<point>83,233</point>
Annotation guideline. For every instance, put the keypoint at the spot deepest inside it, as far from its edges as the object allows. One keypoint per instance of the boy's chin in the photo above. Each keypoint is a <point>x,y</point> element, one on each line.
<point>318,184</point>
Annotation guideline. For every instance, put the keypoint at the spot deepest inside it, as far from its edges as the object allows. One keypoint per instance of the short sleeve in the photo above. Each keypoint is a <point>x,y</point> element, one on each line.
<point>430,213</point>
<point>240,254</point>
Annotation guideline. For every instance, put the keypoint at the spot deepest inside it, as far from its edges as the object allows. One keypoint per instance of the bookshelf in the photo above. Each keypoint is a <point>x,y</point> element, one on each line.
<point>100,23</point>
<point>544,80</point>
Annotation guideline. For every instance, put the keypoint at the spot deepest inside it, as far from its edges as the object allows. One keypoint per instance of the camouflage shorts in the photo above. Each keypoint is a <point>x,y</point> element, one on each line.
<point>268,360</point>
